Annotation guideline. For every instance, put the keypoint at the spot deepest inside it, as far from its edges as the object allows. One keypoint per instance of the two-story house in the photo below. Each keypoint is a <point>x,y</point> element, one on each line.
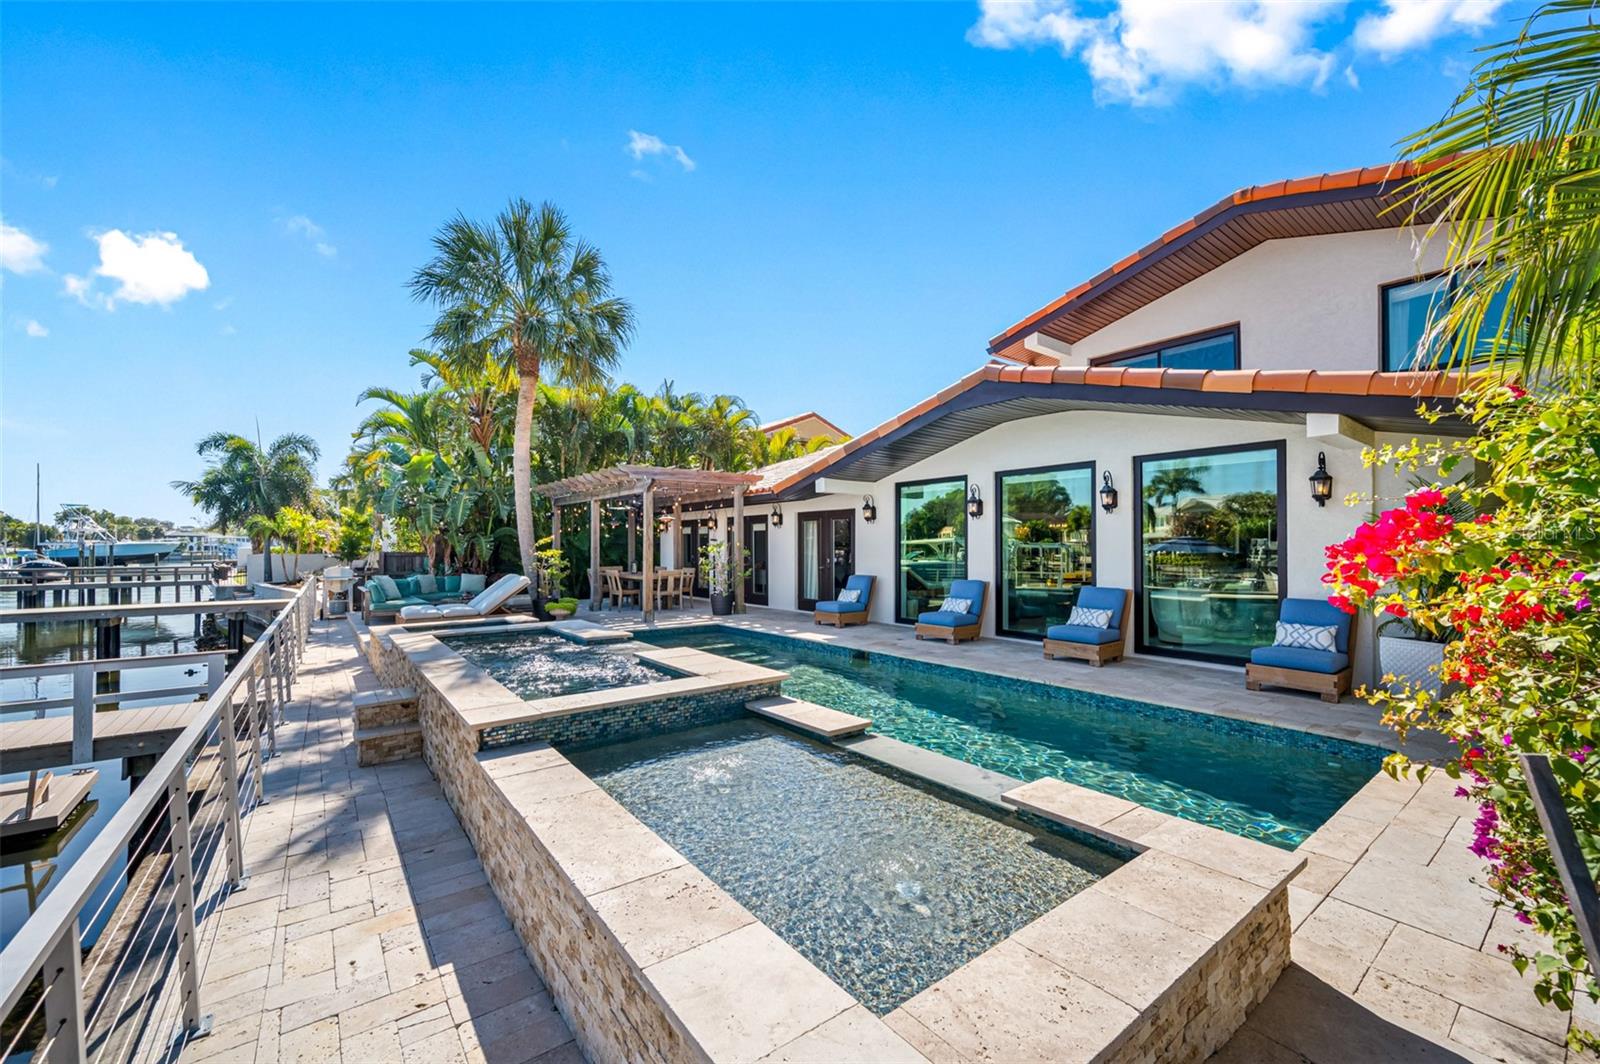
<point>1155,428</point>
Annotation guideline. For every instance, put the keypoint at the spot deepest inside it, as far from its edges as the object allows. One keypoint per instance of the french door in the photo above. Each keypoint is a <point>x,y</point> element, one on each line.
<point>827,555</point>
<point>756,584</point>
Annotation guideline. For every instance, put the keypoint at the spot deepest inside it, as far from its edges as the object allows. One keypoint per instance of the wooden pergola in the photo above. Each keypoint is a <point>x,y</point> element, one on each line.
<point>653,486</point>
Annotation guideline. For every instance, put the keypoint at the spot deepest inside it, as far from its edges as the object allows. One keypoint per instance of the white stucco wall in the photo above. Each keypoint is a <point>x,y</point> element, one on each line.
<point>1111,440</point>
<point>1305,303</point>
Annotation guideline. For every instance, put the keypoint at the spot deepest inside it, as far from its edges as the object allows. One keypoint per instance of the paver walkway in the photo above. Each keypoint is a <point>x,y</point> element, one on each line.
<point>367,932</point>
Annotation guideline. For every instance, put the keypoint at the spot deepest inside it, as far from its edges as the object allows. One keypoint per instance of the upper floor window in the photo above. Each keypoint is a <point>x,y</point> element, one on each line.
<point>1409,307</point>
<point>1215,349</point>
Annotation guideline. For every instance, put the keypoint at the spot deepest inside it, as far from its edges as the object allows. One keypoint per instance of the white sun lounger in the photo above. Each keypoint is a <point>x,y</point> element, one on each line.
<point>483,604</point>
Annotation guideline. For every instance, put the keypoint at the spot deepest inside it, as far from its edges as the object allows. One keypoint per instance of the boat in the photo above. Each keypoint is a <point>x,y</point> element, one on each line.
<point>85,541</point>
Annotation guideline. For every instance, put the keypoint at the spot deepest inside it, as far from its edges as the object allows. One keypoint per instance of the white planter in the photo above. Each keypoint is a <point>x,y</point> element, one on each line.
<point>1416,660</point>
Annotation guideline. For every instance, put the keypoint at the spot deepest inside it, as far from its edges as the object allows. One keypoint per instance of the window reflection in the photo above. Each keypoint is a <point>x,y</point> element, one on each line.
<point>932,529</point>
<point>1046,521</point>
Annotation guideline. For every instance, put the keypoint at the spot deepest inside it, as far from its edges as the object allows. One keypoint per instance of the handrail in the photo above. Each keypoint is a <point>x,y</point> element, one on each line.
<point>54,668</point>
<point>43,941</point>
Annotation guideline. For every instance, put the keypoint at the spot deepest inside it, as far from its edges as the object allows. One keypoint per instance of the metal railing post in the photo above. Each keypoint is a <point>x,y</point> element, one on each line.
<point>63,998</point>
<point>254,713</point>
<point>269,688</point>
<point>188,960</point>
<point>230,792</point>
<point>83,713</point>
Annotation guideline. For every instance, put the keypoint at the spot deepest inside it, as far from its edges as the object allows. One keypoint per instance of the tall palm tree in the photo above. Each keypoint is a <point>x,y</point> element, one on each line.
<point>1511,177</point>
<point>528,294</point>
<point>245,481</point>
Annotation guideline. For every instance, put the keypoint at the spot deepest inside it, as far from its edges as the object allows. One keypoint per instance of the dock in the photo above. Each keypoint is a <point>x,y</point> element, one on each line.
<point>45,742</point>
<point>117,584</point>
<point>54,799</point>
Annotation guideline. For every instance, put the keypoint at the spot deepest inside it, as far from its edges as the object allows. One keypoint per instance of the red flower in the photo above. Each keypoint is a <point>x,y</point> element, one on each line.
<point>1396,609</point>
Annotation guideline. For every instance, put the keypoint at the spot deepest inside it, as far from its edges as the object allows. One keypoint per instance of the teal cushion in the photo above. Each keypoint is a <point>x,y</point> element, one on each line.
<point>407,585</point>
<point>946,619</point>
<point>381,588</point>
<point>450,584</point>
<point>426,584</point>
<point>1082,633</point>
<point>1300,658</point>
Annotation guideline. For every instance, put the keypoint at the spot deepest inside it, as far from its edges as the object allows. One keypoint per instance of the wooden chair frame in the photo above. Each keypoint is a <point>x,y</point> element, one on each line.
<point>1096,654</point>
<point>958,634</point>
<point>1329,685</point>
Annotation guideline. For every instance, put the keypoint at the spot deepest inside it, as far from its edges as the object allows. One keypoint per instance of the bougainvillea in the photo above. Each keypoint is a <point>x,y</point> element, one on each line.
<point>1511,592</point>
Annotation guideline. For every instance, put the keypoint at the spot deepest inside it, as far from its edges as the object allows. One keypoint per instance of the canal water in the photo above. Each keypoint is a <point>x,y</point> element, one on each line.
<point>30,867</point>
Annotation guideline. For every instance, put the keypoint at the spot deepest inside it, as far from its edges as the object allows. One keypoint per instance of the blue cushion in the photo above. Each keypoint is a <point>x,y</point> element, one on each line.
<point>1318,612</point>
<point>1082,633</point>
<point>1102,598</point>
<point>450,585</point>
<point>1302,658</point>
<point>860,582</point>
<point>842,607</point>
<point>407,585</point>
<point>971,590</point>
<point>946,619</point>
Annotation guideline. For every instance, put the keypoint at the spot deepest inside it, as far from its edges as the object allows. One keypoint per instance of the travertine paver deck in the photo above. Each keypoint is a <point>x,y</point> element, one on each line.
<point>1396,943</point>
<point>367,932</point>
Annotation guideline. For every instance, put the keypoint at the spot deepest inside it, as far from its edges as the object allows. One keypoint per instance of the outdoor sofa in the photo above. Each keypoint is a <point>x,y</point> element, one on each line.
<point>490,600</point>
<point>1096,645</point>
<point>839,612</point>
<point>952,625</point>
<point>1302,656</point>
<point>388,595</point>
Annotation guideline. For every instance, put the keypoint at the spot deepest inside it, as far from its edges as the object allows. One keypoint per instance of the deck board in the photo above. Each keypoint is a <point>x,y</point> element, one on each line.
<point>47,742</point>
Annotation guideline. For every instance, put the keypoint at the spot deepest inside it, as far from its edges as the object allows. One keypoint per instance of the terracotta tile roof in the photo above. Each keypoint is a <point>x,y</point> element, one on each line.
<point>1382,180</point>
<point>834,430</point>
<point>1430,384</point>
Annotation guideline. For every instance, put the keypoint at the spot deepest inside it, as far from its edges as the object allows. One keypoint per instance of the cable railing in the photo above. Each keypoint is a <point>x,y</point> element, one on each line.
<point>91,978</point>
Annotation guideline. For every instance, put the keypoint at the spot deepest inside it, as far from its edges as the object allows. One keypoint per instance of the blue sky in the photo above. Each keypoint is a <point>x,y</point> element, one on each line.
<point>211,211</point>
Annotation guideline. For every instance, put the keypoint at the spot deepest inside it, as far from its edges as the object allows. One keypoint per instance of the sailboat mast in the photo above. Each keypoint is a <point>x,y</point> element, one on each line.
<point>38,517</point>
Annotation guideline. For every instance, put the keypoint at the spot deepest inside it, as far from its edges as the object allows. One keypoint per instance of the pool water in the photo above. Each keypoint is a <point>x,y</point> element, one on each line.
<point>545,666</point>
<point>884,886</point>
<point>1269,784</point>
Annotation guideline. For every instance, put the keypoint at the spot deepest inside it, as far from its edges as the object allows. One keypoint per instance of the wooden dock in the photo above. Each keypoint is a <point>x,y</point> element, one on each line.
<point>55,799</point>
<point>46,742</point>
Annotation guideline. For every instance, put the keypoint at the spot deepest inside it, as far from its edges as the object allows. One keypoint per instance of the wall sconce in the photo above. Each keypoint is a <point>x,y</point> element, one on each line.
<point>1108,492</point>
<point>1322,480</point>
<point>869,509</point>
<point>974,502</point>
<point>777,517</point>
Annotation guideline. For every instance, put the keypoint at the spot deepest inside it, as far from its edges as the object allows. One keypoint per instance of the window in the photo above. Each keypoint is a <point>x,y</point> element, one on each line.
<point>931,537</point>
<point>1209,566</point>
<point>1216,349</point>
<point>1408,309</point>
<point>1046,545</point>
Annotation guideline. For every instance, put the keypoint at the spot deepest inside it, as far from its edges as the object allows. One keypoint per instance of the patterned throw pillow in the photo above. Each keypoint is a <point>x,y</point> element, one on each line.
<point>850,594</point>
<point>386,586</point>
<point>1089,618</point>
<point>1307,636</point>
<point>955,605</point>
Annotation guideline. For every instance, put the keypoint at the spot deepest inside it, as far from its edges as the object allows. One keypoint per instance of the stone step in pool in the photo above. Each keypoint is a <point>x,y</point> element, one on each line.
<point>809,717</point>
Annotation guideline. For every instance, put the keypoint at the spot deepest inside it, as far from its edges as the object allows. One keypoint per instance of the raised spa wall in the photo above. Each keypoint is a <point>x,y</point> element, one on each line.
<point>650,960</point>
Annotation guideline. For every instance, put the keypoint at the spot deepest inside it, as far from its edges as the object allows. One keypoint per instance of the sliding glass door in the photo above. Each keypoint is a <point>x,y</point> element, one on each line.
<point>1045,549</point>
<point>931,543</point>
<point>1210,558</point>
<point>827,555</point>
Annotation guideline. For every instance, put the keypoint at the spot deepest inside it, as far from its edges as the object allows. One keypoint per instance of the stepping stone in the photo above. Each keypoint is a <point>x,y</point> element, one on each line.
<point>808,717</point>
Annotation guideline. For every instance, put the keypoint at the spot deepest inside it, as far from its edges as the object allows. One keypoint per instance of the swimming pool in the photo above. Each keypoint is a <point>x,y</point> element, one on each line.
<point>547,666</point>
<point>883,885</point>
<point>1269,784</point>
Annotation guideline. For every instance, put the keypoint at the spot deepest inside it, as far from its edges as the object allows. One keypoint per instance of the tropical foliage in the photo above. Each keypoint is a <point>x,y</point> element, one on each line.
<point>245,481</point>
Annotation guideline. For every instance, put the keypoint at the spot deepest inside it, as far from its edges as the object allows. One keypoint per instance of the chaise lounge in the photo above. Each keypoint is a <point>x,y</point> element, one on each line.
<point>852,606</point>
<point>1305,655</point>
<point>1096,644</point>
<point>490,600</point>
<point>954,624</point>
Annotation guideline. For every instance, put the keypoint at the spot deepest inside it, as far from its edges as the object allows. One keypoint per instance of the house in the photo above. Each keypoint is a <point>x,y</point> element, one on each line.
<point>807,426</point>
<point>1199,382</point>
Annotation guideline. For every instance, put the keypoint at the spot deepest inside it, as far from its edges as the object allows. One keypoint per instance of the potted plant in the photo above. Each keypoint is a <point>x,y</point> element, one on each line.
<point>1410,654</point>
<point>718,572</point>
<point>552,577</point>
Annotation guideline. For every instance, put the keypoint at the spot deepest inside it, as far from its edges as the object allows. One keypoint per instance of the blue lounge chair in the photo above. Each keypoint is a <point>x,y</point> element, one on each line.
<point>1325,672</point>
<point>943,624</point>
<point>840,614</point>
<point>1094,645</point>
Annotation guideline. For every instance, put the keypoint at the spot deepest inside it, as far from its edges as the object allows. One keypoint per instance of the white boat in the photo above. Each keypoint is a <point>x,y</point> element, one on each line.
<point>85,541</point>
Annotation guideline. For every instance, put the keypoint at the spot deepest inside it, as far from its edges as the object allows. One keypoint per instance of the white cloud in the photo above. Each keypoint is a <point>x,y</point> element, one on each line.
<point>300,225</point>
<point>150,268</point>
<point>35,330</point>
<point>1405,25</point>
<point>1146,52</point>
<point>643,144</point>
<point>19,252</point>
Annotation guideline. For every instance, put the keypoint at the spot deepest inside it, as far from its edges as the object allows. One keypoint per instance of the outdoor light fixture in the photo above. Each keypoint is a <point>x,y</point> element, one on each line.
<point>1108,493</point>
<point>974,502</point>
<point>777,516</point>
<point>1322,481</point>
<point>869,509</point>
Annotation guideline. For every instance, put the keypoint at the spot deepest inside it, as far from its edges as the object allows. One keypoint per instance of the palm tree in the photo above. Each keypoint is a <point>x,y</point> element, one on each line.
<point>1511,178</point>
<point>526,293</point>
<point>244,481</point>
